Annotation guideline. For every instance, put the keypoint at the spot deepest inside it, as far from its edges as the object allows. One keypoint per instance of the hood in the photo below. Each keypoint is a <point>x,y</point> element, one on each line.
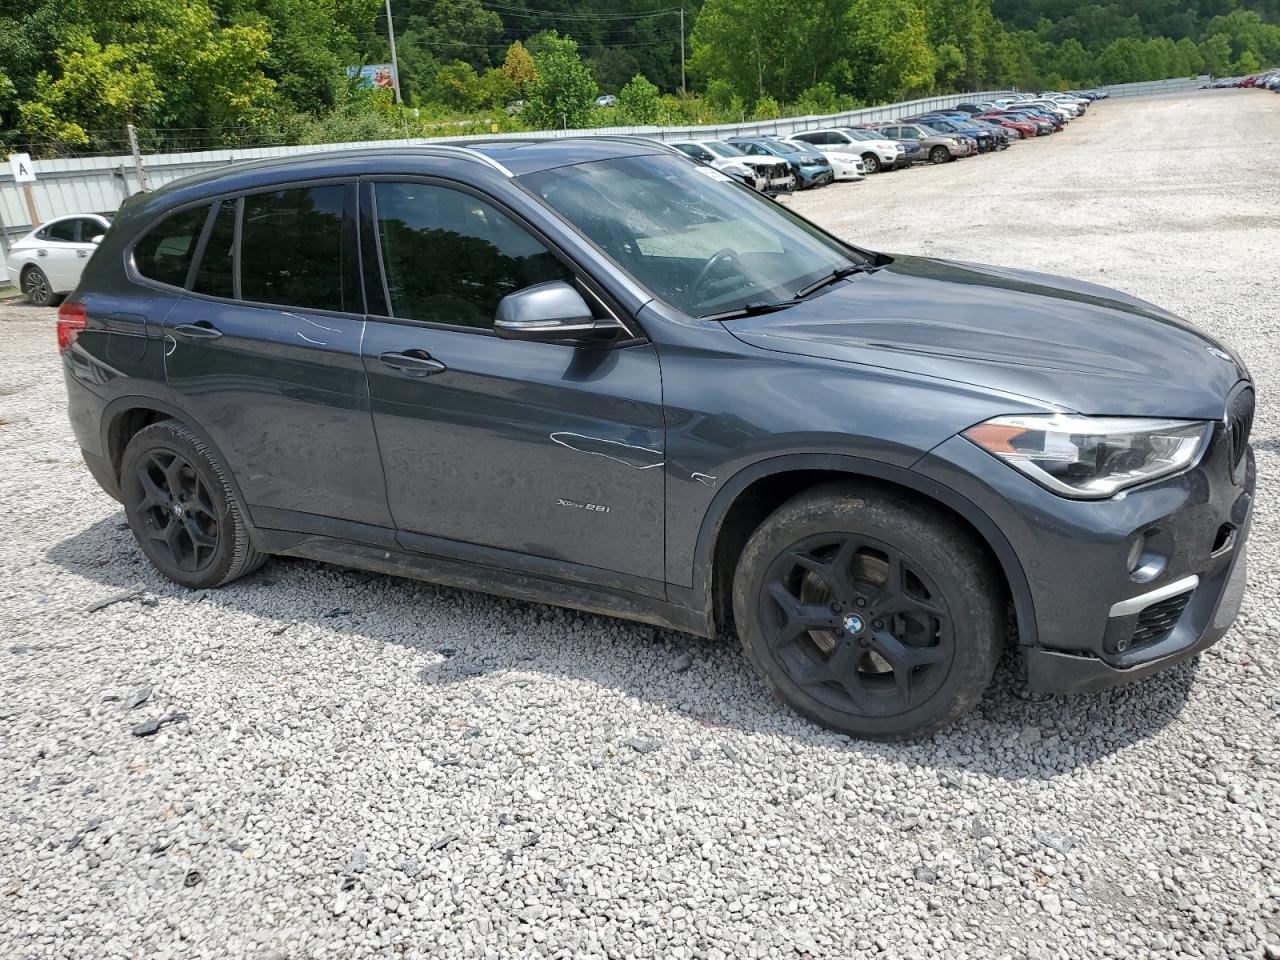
<point>1066,343</point>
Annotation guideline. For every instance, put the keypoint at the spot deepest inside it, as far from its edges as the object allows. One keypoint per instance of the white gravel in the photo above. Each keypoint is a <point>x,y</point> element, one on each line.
<point>366,766</point>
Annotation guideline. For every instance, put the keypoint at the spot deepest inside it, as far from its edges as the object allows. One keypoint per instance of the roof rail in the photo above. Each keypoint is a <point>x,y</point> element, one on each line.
<point>471,153</point>
<point>636,139</point>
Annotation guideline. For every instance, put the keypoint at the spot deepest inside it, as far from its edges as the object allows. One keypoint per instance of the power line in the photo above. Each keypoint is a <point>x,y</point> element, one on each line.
<point>504,10</point>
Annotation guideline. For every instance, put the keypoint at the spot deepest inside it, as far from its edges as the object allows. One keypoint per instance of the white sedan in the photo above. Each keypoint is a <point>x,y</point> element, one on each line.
<point>847,166</point>
<point>48,261</point>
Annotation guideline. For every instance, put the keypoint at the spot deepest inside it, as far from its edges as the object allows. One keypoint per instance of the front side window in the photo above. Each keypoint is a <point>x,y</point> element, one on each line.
<point>292,250</point>
<point>703,245</point>
<point>450,257</point>
<point>164,253</point>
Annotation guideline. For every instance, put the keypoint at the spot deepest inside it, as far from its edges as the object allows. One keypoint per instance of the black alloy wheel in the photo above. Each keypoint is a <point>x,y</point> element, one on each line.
<point>177,509</point>
<point>858,623</point>
<point>183,508</point>
<point>870,611</point>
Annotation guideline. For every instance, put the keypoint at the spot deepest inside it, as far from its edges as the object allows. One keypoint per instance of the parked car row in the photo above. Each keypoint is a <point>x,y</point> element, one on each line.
<point>1269,80</point>
<point>814,158</point>
<point>47,263</point>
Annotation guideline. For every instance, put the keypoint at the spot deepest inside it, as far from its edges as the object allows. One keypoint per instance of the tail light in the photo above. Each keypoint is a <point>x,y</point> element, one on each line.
<point>71,320</point>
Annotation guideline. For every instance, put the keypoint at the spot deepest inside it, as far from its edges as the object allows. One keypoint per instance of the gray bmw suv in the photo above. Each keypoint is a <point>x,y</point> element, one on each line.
<point>597,374</point>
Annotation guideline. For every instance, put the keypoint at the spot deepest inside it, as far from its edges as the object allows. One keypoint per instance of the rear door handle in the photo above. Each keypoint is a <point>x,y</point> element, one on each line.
<point>416,363</point>
<point>203,330</point>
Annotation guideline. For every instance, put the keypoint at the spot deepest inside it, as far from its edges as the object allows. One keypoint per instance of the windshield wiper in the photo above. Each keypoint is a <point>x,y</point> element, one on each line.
<point>835,275</point>
<point>752,309</point>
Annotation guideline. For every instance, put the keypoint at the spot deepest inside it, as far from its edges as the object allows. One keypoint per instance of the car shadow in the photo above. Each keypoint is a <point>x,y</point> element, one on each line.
<point>1011,735</point>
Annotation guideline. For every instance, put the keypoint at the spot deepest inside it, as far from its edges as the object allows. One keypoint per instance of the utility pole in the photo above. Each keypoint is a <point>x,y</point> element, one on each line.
<point>137,157</point>
<point>395,65</point>
<point>683,91</point>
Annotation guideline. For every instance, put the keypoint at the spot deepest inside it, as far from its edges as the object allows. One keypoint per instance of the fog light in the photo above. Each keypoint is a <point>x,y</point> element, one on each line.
<point>1135,552</point>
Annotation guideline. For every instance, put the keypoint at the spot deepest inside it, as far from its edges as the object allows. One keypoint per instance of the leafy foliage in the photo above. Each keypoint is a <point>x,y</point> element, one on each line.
<point>638,102</point>
<point>562,94</point>
<point>205,73</point>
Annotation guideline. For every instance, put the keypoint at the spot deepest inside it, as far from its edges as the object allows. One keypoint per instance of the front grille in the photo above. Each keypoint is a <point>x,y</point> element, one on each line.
<point>1239,424</point>
<point>1158,620</point>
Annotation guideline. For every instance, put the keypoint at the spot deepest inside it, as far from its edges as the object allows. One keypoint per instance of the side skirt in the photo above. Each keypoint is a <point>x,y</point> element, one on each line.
<point>486,579</point>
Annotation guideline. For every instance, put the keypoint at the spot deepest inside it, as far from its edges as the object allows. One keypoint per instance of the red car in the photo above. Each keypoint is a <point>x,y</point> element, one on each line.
<point>1024,127</point>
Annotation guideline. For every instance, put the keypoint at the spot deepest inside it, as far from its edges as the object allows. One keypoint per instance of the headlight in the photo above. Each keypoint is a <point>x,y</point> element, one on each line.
<point>1092,457</point>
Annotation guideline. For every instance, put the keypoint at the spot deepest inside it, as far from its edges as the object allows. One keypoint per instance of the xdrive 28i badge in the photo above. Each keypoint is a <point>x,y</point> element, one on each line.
<point>580,505</point>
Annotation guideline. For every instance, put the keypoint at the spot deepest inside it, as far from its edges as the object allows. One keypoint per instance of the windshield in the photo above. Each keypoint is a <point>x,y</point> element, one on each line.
<point>688,235</point>
<point>724,149</point>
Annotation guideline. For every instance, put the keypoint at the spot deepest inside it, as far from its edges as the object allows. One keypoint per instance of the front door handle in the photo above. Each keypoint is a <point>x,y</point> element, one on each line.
<point>203,330</point>
<point>416,363</point>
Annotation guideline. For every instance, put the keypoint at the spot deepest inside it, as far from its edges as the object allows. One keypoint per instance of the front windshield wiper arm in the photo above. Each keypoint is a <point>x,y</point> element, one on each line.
<point>835,275</point>
<point>752,309</point>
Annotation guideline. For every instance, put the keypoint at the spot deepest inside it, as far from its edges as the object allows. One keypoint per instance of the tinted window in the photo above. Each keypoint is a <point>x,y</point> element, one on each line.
<point>291,249</point>
<point>450,257</point>
<point>165,253</point>
<point>88,229</point>
<point>63,230</point>
<point>215,276</point>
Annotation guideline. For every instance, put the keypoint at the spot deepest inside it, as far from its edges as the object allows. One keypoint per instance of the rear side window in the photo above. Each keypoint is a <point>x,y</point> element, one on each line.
<point>291,248</point>
<point>164,254</point>
<point>64,231</point>
<point>449,257</point>
<point>215,277</point>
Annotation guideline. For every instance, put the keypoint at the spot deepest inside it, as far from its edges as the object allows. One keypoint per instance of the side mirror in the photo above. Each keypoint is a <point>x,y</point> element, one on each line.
<point>96,239</point>
<point>551,313</point>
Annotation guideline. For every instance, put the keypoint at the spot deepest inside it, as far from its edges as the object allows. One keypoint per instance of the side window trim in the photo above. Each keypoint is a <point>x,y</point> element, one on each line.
<point>582,278</point>
<point>239,198</point>
<point>201,242</point>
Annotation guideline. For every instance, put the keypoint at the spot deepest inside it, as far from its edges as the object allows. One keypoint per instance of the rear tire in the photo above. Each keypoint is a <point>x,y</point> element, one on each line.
<point>182,509</point>
<point>869,613</point>
<point>35,285</point>
<point>871,162</point>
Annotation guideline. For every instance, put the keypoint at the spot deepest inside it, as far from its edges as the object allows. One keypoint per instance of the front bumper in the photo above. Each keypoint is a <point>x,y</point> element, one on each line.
<point>1085,619</point>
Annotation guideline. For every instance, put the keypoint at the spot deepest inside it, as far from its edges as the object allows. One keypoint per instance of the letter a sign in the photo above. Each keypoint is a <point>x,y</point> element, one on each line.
<point>22,168</point>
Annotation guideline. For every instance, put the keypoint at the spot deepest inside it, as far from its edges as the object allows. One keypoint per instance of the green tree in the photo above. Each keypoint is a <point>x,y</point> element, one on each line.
<point>457,85</point>
<point>518,67</point>
<point>638,101</point>
<point>766,108</point>
<point>821,98</point>
<point>890,49</point>
<point>563,93</point>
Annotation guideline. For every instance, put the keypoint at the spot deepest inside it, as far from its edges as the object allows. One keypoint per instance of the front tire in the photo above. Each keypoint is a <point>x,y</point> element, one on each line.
<point>182,509</point>
<point>869,613</point>
<point>939,155</point>
<point>871,162</point>
<point>35,285</point>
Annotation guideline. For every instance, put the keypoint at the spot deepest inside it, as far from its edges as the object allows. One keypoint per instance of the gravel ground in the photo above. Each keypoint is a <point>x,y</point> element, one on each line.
<point>360,766</point>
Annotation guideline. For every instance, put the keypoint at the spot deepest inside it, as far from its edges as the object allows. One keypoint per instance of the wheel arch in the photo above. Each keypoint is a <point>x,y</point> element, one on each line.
<point>756,491</point>
<point>124,416</point>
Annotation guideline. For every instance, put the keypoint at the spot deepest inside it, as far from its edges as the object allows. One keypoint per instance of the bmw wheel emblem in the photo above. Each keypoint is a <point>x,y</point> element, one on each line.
<point>854,623</point>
